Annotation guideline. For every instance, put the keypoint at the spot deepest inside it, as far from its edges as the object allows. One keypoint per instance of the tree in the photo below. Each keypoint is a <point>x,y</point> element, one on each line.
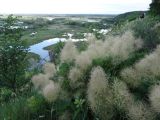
<point>13,52</point>
<point>155,7</point>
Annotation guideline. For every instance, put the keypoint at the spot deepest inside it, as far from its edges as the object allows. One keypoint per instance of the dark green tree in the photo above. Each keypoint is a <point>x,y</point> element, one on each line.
<point>155,7</point>
<point>13,53</point>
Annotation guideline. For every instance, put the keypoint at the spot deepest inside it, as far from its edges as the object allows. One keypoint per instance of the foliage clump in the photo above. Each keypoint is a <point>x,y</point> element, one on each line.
<point>154,7</point>
<point>13,52</point>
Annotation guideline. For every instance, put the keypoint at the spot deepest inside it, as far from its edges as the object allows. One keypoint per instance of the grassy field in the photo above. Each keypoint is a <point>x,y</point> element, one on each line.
<point>59,27</point>
<point>42,34</point>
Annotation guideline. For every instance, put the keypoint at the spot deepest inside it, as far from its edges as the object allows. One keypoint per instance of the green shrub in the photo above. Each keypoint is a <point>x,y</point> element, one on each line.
<point>80,109</point>
<point>13,52</point>
<point>64,69</point>
<point>106,63</point>
<point>60,106</point>
<point>81,45</point>
<point>145,29</point>
<point>129,16</point>
<point>36,104</point>
<point>74,23</point>
<point>15,110</point>
<point>141,92</point>
<point>78,36</point>
<point>5,94</point>
<point>154,7</point>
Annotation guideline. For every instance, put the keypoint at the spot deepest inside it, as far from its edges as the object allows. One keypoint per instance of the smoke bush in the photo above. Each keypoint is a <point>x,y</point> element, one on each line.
<point>96,50</point>
<point>49,69</point>
<point>51,92</point>
<point>74,75</point>
<point>91,38</point>
<point>155,98</point>
<point>69,52</point>
<point>98,81</point>
<point>119,46</point>
<point>122,99</point>
<point>125,45</point>
<point>147,67</point>
<point>47,87</point>
<point>40,81</point>
<point>99,95</point>
<point>131,76</point>
<point>139,111</point>
<point>83,60</point>
<point>150,64</point>
<point>122,96</point>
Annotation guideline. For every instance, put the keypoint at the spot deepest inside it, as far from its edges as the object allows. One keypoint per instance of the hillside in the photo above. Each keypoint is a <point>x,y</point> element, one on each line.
<point>111,78</point>
<point>129,16</point>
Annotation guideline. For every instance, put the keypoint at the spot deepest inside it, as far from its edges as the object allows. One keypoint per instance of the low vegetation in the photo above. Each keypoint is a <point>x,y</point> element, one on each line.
<point>46,29</point>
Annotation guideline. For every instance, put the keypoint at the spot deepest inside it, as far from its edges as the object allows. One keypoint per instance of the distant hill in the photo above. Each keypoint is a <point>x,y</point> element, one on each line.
<point>127,16</point>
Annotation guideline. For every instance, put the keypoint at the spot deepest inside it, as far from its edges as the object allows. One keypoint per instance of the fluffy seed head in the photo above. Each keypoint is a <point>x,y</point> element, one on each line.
<point>69,52</point>
<point>49,69</point>
<point>97,85</point>
<point>99,95</point>
<point>155,98</point>
<point>131,77</point>
<point>150,64</point>
<point>40,81</point>
<point>83,60</point>
<point>51,92</point>
<point>122,96</point>
<point>91,38</point>
<point>147,67</point>
<point>74,75</point>
<point>119,46</point>
<point>139,111</point>
<point>125,45</point>
<point>98,81</point>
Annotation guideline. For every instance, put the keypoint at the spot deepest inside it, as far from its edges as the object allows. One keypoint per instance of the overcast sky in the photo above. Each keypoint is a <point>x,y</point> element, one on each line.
<point>72,6</point>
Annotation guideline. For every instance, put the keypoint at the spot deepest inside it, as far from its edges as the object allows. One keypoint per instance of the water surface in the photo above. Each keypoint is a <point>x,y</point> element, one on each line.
<point>39,48</point>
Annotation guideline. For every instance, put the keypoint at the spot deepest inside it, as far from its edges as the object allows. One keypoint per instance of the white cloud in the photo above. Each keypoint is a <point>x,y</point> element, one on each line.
<point>72,6</point>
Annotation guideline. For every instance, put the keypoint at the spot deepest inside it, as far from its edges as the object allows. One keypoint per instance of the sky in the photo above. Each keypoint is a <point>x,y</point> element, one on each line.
<point>71,6</point>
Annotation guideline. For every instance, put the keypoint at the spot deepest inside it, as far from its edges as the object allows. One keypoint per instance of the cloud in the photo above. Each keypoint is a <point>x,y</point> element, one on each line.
<point>72,6</point>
